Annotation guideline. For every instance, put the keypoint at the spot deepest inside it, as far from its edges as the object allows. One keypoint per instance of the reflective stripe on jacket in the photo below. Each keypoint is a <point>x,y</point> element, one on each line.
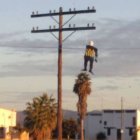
<point>90,51</point>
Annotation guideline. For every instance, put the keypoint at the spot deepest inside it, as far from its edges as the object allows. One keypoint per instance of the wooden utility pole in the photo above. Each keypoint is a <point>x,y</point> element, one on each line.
<point>60,30</point>
<point>122,119</point>
<point>59,117</point>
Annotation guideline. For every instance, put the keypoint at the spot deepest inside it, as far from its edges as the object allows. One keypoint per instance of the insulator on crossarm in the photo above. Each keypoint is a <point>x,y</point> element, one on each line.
<point>50,11</point>
<point>70,10</point>
<point>33,28</point>
<point>92,24</point>
<point>37,28</point>
<point>88,25</point>
<point>88,8</point>
<point>49,27</point>
<point>69,25</point>
<point>93,8</point>
<point>74,9</point>
<point>54,26</point>
<point>33,13</point>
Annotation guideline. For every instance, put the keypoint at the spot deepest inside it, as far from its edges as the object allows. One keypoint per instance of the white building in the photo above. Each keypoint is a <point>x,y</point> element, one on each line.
<point>7,121</point>
<point>113,123</point>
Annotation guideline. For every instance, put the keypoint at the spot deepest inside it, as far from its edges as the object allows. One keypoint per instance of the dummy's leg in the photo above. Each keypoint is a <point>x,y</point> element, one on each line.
<point>91,65</point>
<point>85,63</point>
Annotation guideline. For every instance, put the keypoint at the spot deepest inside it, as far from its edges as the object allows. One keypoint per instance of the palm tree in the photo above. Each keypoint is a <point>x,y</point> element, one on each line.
<point>41,117</point>
<point>70,128</point>
<point>82,88</point>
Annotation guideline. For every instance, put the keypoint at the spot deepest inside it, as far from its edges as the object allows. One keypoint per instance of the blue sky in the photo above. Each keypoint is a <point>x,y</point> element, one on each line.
<point>17,10</point>
<point>28,62</point>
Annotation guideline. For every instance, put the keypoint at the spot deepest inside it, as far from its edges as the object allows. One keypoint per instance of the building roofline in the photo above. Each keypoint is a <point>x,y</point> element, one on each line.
<point>8,109</point>
<point>119,110</point>
<point>100,112</point>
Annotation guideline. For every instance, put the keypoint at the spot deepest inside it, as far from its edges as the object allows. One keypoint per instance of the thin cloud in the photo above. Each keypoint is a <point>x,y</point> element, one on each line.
<point>11,35</point>
<point>118,52</point>
<point>108,87</point>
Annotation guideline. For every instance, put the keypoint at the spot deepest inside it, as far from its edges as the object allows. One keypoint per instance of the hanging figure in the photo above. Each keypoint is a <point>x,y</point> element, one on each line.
<point>91,54</point>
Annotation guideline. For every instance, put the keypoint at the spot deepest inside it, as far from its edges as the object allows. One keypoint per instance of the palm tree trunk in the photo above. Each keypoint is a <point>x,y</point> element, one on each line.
<point>82,128</point>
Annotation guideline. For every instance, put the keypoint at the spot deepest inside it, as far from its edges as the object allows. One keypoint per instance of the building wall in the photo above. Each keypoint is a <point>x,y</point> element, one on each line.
<point>7,119</point>
<point>112,122</point>
<point>90,133</point>
<point>117,121</point>
<point>138,124</point>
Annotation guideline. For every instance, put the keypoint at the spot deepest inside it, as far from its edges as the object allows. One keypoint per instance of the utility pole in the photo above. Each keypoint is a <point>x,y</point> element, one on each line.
<point>122,119</point>
<point>60,30</point>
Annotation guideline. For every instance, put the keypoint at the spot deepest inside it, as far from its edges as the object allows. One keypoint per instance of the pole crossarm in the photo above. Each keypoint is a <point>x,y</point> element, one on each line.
<point>63,13</point>
<point>63,29</point>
